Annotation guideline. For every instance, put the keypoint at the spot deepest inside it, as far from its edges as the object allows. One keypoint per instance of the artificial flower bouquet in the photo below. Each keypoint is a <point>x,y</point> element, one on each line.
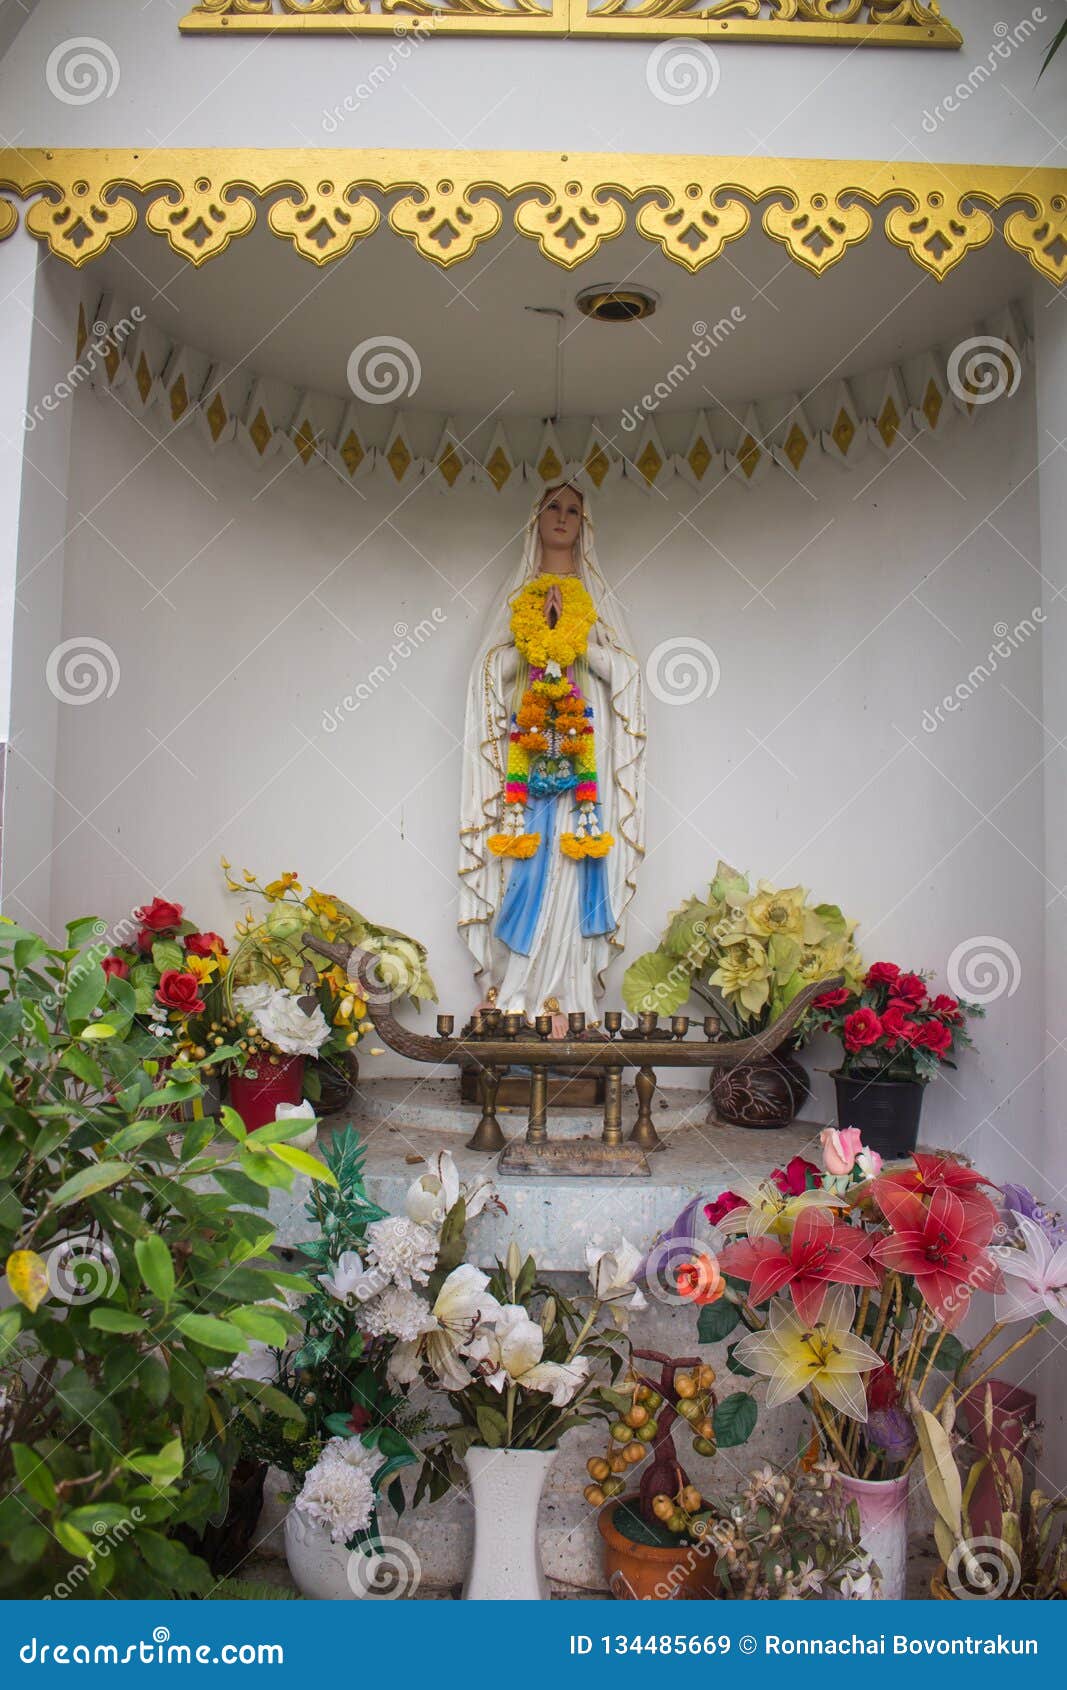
<point>390,1292</point>
<point>851,1280</point>
<point>747,953</point>
<point>175,970</point>
<point>892,1028</point>
<point>271,952</point>
<point>523,1363</point>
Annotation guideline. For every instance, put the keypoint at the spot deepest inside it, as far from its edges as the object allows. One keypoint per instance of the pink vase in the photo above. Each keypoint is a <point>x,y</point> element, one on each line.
<point>1014,1414</point>
<point>883,1511</point>
<point>257,1092</point>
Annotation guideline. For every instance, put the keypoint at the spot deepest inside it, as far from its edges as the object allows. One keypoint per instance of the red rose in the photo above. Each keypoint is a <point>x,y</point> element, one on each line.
<point>793,1179</point>
<point>114,965</point>
<point>722,1206</point>
<point>832,1000</point>
<point>205,944</point>
<point>159,916</point>
<point>881,974</point>
<point>882,1390</point>
<point>935,1036</point>
<point>179,991</point>
<point>948,1008</point>
<point>862,1028</point>
<point>897,1025</point>
<point>911,989</point>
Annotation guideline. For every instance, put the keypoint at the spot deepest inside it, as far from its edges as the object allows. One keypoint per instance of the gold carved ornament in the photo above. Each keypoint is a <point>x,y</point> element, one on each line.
<point>449,204</point>
<point>897,23</point>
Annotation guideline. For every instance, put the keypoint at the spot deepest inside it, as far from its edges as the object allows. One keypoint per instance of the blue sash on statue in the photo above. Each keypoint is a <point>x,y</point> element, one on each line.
<point>520,910</point>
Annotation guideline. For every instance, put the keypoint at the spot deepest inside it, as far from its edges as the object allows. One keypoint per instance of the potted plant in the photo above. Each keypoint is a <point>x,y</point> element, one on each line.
<point>746,954</point>
<point>639,1562</point>
<point>270,953</point>
<point>519,1362</point>
<point>1026,1559</point>
<point>896,1037</point>
<point>851,1281</point>
<point>137,1261</point>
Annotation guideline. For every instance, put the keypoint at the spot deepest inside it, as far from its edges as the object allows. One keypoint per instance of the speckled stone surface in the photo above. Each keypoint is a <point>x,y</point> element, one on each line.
<point>403,1124</point>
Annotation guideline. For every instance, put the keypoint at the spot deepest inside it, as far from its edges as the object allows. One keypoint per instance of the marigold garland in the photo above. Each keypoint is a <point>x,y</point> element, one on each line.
<point>563,644</point>
<point>551,745</point>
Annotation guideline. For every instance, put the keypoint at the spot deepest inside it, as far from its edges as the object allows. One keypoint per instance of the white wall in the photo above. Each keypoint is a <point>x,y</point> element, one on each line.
<point>240,611</point>
<point>802,101</point>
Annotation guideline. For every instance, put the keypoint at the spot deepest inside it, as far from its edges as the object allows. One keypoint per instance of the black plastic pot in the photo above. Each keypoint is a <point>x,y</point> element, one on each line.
<point>886,1112</point>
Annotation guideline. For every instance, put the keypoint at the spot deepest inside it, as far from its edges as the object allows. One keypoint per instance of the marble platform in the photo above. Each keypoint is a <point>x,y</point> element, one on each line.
<point>403,1123</point>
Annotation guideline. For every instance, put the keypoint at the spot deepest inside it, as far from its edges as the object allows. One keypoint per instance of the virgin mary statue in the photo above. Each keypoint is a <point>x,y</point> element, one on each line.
<point>552,814</point>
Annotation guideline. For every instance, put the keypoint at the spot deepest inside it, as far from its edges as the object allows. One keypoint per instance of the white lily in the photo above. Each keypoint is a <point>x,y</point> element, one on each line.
<point>1035,1276</point>
<point>509,1353</point>
<point>352,1282</point>
<point>611,1274</point>
<point>435,1192</point>
<point>463,1304</point>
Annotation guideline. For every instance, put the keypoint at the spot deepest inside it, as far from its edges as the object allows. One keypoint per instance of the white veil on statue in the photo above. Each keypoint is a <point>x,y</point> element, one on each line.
<point>562,962</point>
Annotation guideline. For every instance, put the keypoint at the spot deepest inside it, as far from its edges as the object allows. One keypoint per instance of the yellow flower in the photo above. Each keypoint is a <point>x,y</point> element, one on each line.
<point>225,861</point>
<point>744,972</point>
<point>278,888</point>
<point>826,1357</point>
<point>770,912</point>
<point>350,1008</point>
<point>204,967</point>
<point>540,644</point>
<point>322,906</point>
<point>768,1210</point>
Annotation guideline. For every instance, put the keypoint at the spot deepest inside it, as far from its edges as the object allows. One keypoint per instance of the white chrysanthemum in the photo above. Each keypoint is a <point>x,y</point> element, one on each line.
<point>396,1314</point>
<point>285,1024</point>
<point>337,1492</point>
<point>251,998</point>
<point>404,1250</point>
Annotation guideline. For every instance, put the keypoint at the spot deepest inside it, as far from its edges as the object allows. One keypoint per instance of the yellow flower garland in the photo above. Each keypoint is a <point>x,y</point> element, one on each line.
<point>540,644</point>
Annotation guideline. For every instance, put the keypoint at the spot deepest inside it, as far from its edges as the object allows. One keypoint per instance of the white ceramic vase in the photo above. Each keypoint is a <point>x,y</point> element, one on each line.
<point>883,1510</point>
<point>505,1486</point>
<point>319,1566</point>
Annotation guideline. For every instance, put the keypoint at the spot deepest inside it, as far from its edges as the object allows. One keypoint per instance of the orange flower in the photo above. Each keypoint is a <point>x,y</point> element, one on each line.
<point>701,1281</point>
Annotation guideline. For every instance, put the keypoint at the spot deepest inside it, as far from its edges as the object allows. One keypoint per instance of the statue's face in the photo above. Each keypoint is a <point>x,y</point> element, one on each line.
<point>560,521</point>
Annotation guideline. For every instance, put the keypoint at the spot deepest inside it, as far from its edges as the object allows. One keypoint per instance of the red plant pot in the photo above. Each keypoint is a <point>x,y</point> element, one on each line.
<point>257,1092</point>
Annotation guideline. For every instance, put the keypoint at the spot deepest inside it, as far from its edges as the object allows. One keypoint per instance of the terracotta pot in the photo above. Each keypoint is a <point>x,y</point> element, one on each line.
<point>257,1092</point>
<point>640,1572</point>
<point>770,1093</point>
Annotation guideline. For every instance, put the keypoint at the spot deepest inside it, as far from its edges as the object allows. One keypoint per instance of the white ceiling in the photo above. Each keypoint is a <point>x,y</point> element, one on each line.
<point>480,348</point>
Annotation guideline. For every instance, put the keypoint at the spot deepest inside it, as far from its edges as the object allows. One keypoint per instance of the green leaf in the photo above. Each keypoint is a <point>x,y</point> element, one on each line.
<point>28,1544</point>
<point>136,1134</point>
<point>736,1366</point>
<point>116,1320</point>
<point>269,1397</point>
<point>88,983</point>
<point>232,1123</point>
<point>267,1328</point>
<point>72,1540</point>
<point>98,1176</point>
<point>10,1326</point>
<point>167,953</point>
<point>163,1467</point>
<point>84,929</point>
<point>655,983</point>
<point>156,1266</point>
<point>734,1419</point>
<point>97,1030</point>
<point>34,1476</point>
<point>214,1334</point>
<point>27,951</point>
<point>303,1163</point>
<point>492,1426</point>
<point>81,1064</point>
<point>716,1321</point>
<point>98,1517</point>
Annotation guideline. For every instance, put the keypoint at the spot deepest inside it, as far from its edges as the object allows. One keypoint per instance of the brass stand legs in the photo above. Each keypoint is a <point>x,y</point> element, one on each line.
<point>537,1125</point>
<point>487,1134</point>
<point>613,1106</point>
<point>644,1132</point>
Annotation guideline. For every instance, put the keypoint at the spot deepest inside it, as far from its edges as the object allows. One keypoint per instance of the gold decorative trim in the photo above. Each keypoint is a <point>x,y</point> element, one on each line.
<point>892,23</point>
<point>447,204</point>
